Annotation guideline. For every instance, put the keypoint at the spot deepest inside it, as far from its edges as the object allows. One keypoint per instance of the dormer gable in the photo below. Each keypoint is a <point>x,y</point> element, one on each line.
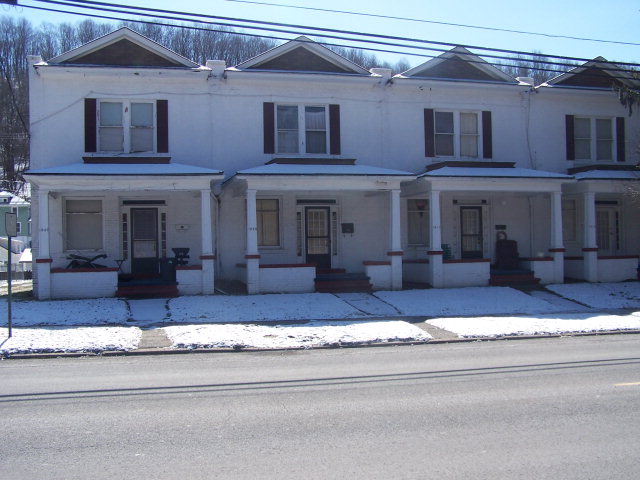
<point>459,64</point>
<point>596,73</point>
<point>123,48</point>
<point>302,55</point>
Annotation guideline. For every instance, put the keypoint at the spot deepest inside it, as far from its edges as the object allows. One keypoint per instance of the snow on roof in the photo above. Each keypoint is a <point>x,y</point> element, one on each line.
<point>164,169</point>
<point>296,169</point>
<point>493,173</point>
<point>608,175</point>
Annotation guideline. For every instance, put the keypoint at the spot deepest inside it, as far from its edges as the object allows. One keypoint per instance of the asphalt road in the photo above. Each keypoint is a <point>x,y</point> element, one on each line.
<point>564,408</point>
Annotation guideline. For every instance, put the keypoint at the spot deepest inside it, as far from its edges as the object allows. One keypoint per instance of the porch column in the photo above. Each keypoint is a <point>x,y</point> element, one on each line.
<point>435,252</point>
<point>589,245</point>
<point>252,256</point>
<point>395,252</point>
<point>557,242</point>
<point>43,259</point>
<point>207,257</point>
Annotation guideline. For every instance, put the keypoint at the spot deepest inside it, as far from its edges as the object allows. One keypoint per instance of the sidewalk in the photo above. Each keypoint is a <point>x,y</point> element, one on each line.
<point>316,320</point>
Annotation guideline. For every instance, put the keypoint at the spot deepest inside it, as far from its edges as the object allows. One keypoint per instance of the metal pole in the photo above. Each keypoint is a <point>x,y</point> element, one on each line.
<point>9,286</point>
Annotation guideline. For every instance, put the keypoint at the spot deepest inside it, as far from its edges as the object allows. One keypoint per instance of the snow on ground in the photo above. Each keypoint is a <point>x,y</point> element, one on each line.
<point>81,339</point>
<point>260,308</point>
<point>97,311</point>
<point>368,304</point>
<point>465,301</point>
<point>601,295</point>
<point>312,334</point>
<point>543,324</point>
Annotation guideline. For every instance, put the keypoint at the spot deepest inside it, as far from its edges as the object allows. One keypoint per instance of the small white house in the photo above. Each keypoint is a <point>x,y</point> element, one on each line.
<point>300,171</point>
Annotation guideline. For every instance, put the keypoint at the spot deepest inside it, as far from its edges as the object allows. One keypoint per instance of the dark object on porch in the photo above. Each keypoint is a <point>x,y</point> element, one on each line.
<point>78,261</point>
<point>181,255</point>
<point>337,281</point>
<point>506,255</point>
<point>167,269</point>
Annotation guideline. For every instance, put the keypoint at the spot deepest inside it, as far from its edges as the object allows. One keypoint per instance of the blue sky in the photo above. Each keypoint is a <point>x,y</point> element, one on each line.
<point>616,20</point>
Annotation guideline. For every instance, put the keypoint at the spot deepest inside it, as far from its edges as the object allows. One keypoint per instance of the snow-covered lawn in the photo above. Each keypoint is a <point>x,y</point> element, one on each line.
<point>260,308</point>
<point>60,339</point>
<point>98,311</point>
<point>543,324</point>
<point>465,301</point>
<point>308,335</point>
<point>601,295</point>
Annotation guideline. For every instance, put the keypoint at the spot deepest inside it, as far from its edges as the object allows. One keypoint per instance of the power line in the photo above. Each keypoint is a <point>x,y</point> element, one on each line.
<point>74,3</point>
<point>422,55</point>
<point>434,22</point>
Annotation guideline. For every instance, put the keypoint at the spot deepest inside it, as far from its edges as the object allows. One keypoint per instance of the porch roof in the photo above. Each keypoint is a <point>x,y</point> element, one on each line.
<point>331,169</point>
<point>608,175</point>
<point>119,176</point>
<point>492,172</point>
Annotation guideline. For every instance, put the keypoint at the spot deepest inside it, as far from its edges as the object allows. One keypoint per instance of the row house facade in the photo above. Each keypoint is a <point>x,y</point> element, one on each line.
<point>298,169</point>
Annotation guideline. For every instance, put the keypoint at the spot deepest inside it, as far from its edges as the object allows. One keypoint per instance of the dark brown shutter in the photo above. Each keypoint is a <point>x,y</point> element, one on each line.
<point>429,133</point>
<point>334,129</point>
<point>487,136</point>
<point>90,133</point>
<point>620,146</point>
<point>571,146</point>
<point>162,125</point>
<point>268,125</point>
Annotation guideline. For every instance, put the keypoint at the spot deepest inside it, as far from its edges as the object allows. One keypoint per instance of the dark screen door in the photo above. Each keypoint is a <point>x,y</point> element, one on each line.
<point>317,236</point>
<point>471,232</point>
<point>144,241</point>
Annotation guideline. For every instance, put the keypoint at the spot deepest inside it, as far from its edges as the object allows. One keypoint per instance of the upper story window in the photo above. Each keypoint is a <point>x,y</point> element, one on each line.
<point>126,126</point>
<point>301,129</point>
<point>597,139</point>
<point>457,134</point>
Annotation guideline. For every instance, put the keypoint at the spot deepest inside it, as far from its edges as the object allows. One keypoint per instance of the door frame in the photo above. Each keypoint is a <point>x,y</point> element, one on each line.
<point>328,255</point>
<point>480,253</point>
<point>126,206</point>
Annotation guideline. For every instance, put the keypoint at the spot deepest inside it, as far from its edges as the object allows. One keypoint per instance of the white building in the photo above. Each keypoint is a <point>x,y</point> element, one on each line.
<point>298,170</point>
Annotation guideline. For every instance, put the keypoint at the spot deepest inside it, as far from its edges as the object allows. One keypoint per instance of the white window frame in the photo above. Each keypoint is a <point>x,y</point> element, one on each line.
<point>593,139</point>
<point>65,226</point>
<point>126,125</point>
<point>302,130</point>
<point>425,212</point>
<point>279,220</point>
<point>457,134</point>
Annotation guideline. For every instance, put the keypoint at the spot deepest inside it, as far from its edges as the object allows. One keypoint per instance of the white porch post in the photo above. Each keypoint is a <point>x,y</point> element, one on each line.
<point>395,252</point>
<point>43,259</point>
<point>207,257</point>
<point>252,256</point>
<point>557,242</point>
<point>435,253</point>
<point>589,245</point>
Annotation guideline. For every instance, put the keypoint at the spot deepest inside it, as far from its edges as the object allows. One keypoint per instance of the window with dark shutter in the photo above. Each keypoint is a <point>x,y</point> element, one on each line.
<point>570,137</point>
<point>429,133</point>
<point>90,109</point>
<point>487,135</point>
<point>162,127</point>
<point>268,114</point>
<point>620,139</point>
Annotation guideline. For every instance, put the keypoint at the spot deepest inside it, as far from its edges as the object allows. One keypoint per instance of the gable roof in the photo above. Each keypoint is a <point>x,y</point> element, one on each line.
<point>459,64</point>
<point>302,55</point>
<point>596,73</point>
<point>123,48</point>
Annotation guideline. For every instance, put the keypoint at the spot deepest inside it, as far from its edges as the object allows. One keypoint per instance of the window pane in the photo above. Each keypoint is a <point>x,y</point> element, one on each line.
<point>316,142</point>
<point>287,117</point>
<point>142,115</point>
<point>83,224</point>
<point>444,122</point>
<point>111,139</point>
<point>84,206</point>
<point>583,149</point>
<point>418,222</point>
<point>582,127</point>
<point>141,139</point>
<point>315,118</point>
<point>268,222</point>
<point>444,145</point>
<point>603,148</point>
<point>468,123</point>
<point>469,146</point>
<point>110,114</point>
<point>603,129</point>
<point>569,220</point>
<point>604,139</point>
<point>288,142</point>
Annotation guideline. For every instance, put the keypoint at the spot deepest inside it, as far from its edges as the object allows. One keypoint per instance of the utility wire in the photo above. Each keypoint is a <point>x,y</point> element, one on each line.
<point>79,3</point>
<point>434,22</point>
<point>586,74</point>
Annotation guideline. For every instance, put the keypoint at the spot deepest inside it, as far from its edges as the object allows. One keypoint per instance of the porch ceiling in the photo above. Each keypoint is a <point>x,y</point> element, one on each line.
<point>87,176</point>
